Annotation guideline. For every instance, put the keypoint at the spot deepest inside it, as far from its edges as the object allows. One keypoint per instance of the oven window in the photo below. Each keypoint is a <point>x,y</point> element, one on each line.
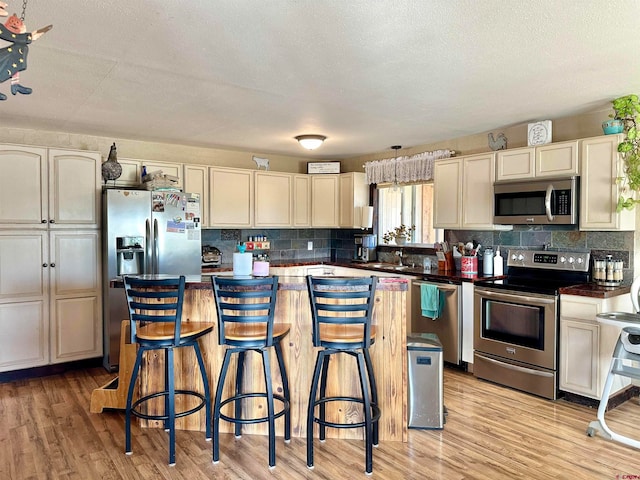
<point>513,323</point>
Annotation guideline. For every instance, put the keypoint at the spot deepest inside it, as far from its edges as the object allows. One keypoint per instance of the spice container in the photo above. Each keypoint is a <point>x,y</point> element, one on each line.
<point>608,272</point>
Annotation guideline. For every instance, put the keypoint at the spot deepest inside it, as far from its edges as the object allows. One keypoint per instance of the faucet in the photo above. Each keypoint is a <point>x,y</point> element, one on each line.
<point>399,254</point>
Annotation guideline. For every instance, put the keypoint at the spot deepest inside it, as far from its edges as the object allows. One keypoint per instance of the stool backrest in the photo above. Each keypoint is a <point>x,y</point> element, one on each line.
<point>246,301</point>
<point>155,301</point>
<point>342,301</point>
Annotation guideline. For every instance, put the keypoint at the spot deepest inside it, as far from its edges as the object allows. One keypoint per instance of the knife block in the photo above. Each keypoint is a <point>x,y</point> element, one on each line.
<point>445,261</point>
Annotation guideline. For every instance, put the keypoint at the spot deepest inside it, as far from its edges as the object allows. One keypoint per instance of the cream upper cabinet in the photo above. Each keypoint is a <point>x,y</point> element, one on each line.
<point>131,173</point>
<point>44,188</point>
<point>74,189</point>
<point>599,189</point>
<point>447,193</point>
<point>515,164</point>
<point>586,346</point>
<point>23,187</point>
<point>76,318</point>
<point>557,159</point>
<point>196,180</point>
<point>551,160</point>
<point>354,194</point>
<point>273,199</point>
<point>324,200</point>
<point>173,169</point>
<point>463,192</point>
<point>477,191</point>
<point>301,200</point>
<point>230,197</point>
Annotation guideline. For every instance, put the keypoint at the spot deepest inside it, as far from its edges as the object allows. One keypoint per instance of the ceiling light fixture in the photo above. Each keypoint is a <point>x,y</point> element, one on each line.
<point>310,142</point>
<point>395,167</point>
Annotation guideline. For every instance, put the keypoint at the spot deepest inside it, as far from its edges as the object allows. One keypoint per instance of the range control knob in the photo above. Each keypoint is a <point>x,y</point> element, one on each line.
<point>571,259</point>
<point>563,259</point>
<point>520,257</point>
<point>580,260</point>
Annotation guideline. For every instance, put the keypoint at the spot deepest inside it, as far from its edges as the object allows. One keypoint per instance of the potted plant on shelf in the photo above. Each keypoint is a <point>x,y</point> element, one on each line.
<point>399,234</point>
<point>627,109</point>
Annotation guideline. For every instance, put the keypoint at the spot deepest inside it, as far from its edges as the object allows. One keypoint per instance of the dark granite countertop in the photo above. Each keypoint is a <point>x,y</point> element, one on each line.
<point>595,291</point>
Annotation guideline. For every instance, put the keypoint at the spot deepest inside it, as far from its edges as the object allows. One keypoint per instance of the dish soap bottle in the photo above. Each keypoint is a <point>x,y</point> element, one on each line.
<point>497,263</point>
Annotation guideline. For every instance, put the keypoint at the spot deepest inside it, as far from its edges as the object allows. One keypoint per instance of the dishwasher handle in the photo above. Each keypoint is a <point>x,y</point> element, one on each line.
<point>443,287</point>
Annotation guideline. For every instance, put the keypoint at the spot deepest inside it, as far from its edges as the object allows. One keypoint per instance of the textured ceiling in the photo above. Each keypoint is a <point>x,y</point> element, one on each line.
<point>252,74</point>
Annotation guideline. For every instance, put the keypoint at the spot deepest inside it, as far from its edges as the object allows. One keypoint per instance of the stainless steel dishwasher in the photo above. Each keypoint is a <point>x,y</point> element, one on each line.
<point>448,326</point>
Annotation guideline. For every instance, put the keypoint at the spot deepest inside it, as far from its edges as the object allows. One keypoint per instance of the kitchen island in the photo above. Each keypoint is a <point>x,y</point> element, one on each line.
<point>388,354</point>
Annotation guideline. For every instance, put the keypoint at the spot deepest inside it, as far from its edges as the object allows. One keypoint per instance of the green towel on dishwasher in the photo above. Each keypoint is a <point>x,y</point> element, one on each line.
<point>431,301</point>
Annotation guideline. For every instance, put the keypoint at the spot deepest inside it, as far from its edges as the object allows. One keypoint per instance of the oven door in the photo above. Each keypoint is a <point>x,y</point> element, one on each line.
<point>516,326</point>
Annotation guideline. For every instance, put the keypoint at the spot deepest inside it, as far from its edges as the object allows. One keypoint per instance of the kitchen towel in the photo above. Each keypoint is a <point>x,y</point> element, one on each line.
<point>431,301</point>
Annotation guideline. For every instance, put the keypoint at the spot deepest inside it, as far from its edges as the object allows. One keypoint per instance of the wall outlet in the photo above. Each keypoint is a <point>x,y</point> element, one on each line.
<point>310,245</point>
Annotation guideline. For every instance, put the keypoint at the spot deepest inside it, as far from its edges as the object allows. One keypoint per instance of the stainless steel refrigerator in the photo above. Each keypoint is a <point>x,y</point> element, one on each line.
<point>144,232</point>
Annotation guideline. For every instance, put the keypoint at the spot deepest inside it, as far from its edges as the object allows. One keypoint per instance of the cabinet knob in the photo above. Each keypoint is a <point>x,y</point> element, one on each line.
<point>53,265</point>
<point>43,221</point>
<point>52,221</point>
<point>45,265</point>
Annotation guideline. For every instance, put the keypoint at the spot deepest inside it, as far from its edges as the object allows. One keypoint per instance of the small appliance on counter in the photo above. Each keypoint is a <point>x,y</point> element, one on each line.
<point>211,256</point>
<point>365,248</point>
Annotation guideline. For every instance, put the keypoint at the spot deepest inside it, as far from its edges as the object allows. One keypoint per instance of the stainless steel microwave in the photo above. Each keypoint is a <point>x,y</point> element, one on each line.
<point>537,202</point>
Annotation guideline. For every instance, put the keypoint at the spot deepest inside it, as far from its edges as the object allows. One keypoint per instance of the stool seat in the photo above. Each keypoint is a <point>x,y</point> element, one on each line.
<point>330,333</point>
<point>165,331</point>
<point>254,331</point>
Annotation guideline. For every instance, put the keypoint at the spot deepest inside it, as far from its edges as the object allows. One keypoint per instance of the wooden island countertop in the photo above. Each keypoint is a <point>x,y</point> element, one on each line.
<point>388,354</point>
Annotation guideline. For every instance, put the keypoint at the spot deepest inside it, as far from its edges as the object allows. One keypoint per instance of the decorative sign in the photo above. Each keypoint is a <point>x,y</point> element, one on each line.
<point>323,167</point>
<point>539,133</point>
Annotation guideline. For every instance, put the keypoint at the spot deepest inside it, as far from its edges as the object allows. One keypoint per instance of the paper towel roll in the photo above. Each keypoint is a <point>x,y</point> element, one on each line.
<point>242,264</point>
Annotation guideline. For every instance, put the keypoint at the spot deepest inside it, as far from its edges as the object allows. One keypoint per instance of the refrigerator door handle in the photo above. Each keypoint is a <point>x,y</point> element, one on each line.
<point>156,251</point>
<point>147,247</point>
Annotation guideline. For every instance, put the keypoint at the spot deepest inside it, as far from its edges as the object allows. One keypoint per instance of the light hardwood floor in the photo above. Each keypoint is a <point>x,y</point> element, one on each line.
<point>47,432</point>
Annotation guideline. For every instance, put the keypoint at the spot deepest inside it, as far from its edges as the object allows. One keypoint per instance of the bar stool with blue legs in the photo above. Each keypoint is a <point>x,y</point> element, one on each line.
<point>246,310</point>
<point>155,313</point>
<point>341,311</point>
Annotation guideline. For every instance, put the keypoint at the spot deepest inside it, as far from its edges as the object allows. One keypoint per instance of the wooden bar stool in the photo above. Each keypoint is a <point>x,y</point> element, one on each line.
<point>341,311</point>
<point>246,310</point>
<point>155,314</point>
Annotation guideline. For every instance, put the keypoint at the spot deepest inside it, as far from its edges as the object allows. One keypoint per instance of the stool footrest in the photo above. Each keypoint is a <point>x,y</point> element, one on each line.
<point>375,412</point>
<point>165,416</point>
<point>248,421</point>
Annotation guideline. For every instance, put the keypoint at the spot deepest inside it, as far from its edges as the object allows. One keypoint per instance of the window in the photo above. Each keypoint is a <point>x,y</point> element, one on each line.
<point>408,205</point>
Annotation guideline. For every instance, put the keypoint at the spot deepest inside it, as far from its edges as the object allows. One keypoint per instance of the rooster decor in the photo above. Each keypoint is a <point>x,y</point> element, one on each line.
<point>499,143</point>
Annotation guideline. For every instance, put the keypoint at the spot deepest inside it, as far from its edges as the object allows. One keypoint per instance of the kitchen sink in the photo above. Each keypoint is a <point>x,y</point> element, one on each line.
<point>389,266</point>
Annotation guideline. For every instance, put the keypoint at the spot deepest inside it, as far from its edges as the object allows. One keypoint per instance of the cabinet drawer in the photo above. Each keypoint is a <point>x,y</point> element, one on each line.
<point>586,309</point>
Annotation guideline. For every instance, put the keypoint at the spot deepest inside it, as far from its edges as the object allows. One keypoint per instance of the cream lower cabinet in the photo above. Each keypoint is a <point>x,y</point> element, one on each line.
<point>586,345</point>
<point>599,189</point>
<point>49,297</point>
<point>325,207</point>
<point>49,188</point>
<point>463,192</point>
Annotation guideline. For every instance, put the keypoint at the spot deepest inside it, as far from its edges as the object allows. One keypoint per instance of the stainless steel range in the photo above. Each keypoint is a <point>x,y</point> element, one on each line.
<point>516,320</point>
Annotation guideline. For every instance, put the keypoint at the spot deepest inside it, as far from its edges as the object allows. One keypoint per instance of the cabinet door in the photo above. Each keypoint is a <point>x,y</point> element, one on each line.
<point>447,193</point>
<point>557,160</point>
<point>599,188</point>
<point>173,169</point>
<point>354,194</point>
<point>273,206</point>
<point>324,200</point>
<point>515,164</point>
<point>74,189</point>
<point>196,180</point>
<point>24,308</point>
<point>76,327</point>
<point>579,354</point>
<point>477,191</point>
<point>301,200</point>
<point>23,187</point>
<point>131,172</point>
<point>230,197</point>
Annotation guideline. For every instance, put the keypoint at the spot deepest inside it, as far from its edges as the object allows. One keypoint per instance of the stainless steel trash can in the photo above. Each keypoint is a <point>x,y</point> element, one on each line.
<point>426,403</point>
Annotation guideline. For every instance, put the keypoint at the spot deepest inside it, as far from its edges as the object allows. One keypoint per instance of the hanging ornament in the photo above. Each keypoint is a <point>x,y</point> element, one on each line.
<point>111,169</point>
<point>13,59</point>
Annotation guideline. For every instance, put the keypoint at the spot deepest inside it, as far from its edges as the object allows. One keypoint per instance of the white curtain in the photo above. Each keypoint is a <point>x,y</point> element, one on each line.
<point>415,168</point>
